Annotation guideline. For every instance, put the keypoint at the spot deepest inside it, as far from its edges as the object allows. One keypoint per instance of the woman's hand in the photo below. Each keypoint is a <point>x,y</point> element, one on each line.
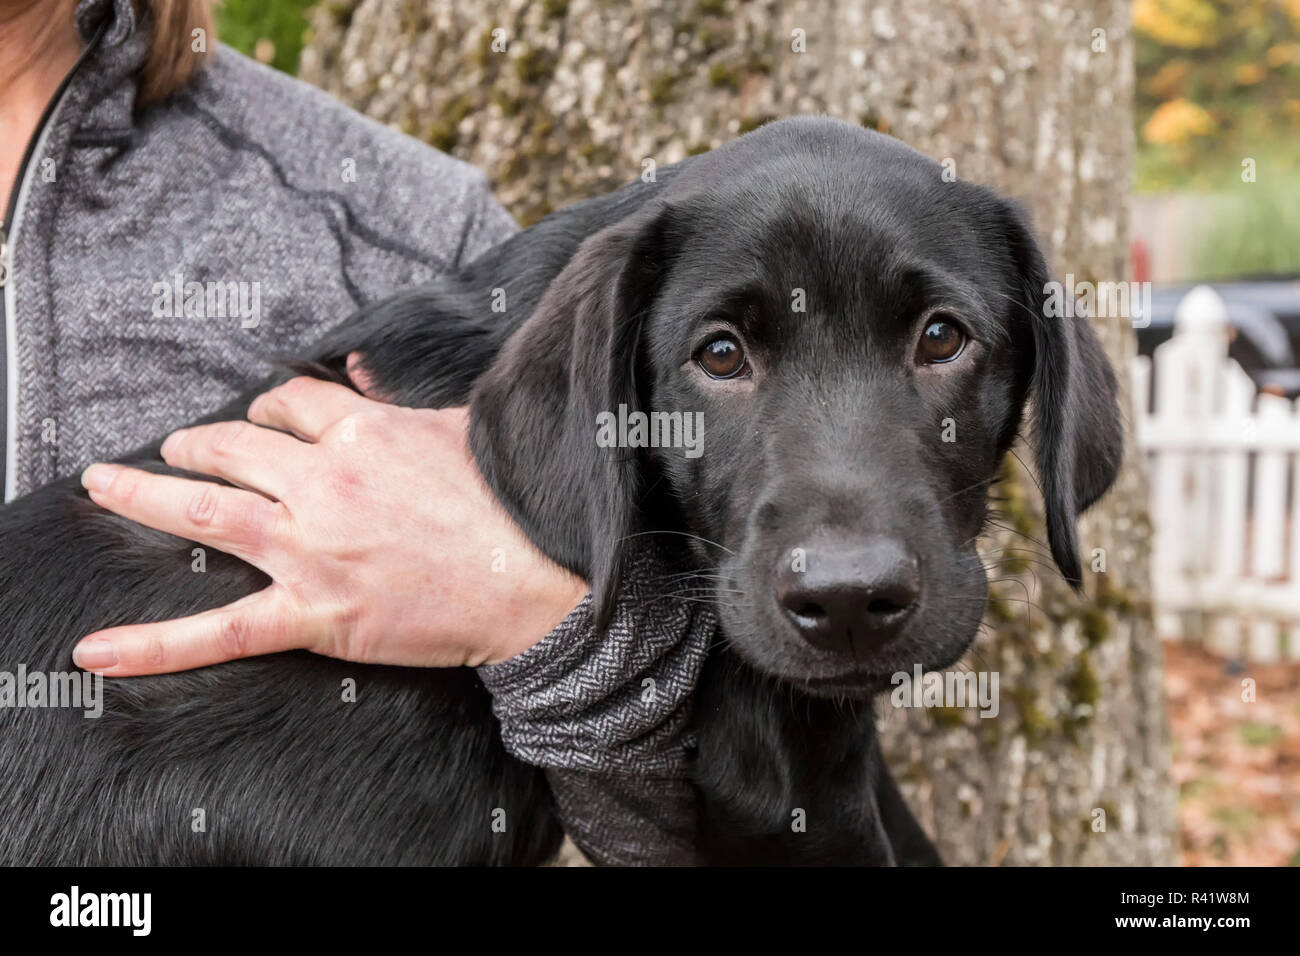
<point>382,541</point>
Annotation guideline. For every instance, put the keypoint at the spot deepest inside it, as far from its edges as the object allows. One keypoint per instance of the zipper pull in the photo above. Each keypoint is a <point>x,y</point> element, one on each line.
<point>4,259</point>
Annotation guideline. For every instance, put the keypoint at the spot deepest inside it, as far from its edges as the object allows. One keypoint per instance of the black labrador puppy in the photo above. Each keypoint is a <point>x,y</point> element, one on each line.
<point>860,337</point>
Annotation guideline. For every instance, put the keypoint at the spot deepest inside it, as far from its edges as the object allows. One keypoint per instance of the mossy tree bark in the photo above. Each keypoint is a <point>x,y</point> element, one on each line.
<point>1030,97</point>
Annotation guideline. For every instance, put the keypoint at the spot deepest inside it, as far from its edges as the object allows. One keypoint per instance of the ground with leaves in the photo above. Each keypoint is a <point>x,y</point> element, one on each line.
<point>1236,762</point>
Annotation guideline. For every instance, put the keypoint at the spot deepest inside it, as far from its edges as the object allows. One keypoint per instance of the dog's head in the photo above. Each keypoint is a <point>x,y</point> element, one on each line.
<point>857,338</point>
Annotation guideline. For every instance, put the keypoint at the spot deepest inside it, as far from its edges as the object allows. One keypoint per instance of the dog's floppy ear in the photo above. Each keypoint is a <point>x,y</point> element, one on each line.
<point>534,412</point>
<point>1078,434</point>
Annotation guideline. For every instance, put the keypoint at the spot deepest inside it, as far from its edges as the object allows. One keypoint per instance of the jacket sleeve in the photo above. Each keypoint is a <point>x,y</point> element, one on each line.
<point>487,224</point>
<point>607,716</point>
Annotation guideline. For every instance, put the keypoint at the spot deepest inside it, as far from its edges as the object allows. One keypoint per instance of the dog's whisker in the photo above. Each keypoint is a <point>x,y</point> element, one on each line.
<point>985,482</point>
<point>1027,537</point>
<point>685,534</point>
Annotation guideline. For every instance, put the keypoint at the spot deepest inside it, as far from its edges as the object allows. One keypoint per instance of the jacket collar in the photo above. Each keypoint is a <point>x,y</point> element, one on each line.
<point>120,14</point>
<point>107,80</point>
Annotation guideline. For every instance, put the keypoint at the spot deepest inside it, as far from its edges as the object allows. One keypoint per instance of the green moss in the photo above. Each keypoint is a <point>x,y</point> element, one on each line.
<point>723,77</point>
<point>444,131</point>
<point>530,216</point>
<point>507,104</point>
<point>1260,735</point>
<point>871,120</point>
<point>512,169</point>
<point>713,8</point>
<point>947,716</point>
<point>1024,521</point>
<point>1115,599</point>
<point>696,148</point>
<point>1033,721</point>
<point>555,9</point>
<point>990,730</point>
<point>459,108</point>
<point>710,39</point>
<point>1119,601</point>
<point>1094,623</point>
<point>1084,691</point>
<point>483,53</point>
<point>534,65</point>
<point>1083,685</point>
<point>915,773</point>
<point>661,89</point>
<point>1014,508</point>
<point>1013,564</point>
<point>750,123</point>
<point>341,13</point>
<point>442,134</point>
<point>999,610</point>
<point>595,154</point>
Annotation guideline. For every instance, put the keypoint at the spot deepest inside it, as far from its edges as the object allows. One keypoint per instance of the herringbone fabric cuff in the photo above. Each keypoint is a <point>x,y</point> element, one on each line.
<point>612,703</point>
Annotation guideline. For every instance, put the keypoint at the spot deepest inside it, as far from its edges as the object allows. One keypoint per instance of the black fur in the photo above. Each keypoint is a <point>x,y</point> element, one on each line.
<point>606,301</point>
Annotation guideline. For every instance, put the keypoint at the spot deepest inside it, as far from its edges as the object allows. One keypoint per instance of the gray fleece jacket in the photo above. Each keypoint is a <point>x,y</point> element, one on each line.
<point>291,211</point>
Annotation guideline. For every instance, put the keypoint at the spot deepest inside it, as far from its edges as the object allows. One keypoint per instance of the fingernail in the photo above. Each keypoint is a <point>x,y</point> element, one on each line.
<point>172,441</point>
<point>98,477</point>
<point>94,655</point>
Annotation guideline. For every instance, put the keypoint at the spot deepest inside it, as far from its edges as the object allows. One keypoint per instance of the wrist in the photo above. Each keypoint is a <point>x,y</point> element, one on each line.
<point>542,599</point>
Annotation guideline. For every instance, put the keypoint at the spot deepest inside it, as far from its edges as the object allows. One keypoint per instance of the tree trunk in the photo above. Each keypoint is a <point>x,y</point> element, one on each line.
<point>1022,95</point>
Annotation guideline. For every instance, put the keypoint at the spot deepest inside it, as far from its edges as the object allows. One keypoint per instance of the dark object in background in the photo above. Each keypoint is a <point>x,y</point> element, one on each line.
<point>1264,315</point>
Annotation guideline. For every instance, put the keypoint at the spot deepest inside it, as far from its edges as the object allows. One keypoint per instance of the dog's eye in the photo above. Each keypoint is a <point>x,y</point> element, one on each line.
<point>722,357</point>
<point>941,342</point>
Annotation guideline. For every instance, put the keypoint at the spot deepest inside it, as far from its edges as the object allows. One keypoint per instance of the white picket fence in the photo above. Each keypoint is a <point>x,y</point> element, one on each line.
<point>1224,465</point>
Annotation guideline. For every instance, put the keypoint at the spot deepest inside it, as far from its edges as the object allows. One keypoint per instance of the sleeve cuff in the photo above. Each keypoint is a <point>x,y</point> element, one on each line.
<point>612,703</point>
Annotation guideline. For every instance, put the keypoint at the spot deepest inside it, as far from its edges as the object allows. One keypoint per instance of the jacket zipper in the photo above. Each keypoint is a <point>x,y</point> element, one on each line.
<point>8,321</point>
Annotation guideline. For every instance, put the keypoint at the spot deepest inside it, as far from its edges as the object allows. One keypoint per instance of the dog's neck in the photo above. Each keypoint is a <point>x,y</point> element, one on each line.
<point>784,777</point>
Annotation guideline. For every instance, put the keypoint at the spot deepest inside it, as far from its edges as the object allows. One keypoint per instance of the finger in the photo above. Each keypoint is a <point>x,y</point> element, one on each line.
<point>260,459</point>
<point>261,623</point>
<point>230,519</point>
<point>305,406</point>
<point>362,378</point>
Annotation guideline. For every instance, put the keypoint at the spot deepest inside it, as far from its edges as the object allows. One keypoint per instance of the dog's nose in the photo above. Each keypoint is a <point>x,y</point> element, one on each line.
<point>850,596</point>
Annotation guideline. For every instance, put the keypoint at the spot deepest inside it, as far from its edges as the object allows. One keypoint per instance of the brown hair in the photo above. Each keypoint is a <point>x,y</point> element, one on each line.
<point>173,59</point>
<point>49,29</point>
